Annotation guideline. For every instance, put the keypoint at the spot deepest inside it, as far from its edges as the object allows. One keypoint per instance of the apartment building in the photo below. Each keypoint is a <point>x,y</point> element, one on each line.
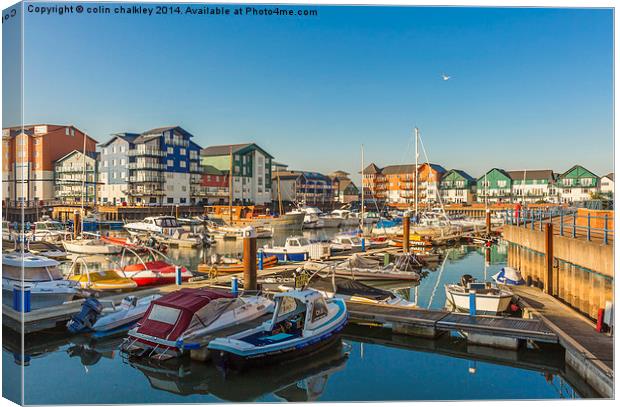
<point>577,184</point>
<point>113,168</point>
<point>345,190</point>
<point>607,185</point>
<point>29,154</point>
<point>251,170</point>
<point>457,186</point>
<point>76,177</point>
<point>533,186</point>
<point>303,187</point>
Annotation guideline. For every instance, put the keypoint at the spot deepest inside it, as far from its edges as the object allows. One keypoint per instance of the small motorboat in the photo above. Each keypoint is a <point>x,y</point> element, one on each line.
<point>351,290</point>
<point>296,248</point>
<point>228,265</point>
<point>187,319</point>
<point>152,268</point>
<point>94,317</point>
<point>489,299</point>
<point>89,273</point>
<point>347,243</point>
<point>509,276</point>
<point>133,242</point>
<point>38,274</point>
<point>364,269</point>
<point>303,323</point>
<point>91,246</point>
<point>48,230</point>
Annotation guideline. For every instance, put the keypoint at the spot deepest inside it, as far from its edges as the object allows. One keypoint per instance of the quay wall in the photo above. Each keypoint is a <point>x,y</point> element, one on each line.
<point>583,272</point>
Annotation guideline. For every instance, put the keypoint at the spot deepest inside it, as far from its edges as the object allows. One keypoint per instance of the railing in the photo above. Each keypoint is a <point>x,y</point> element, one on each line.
<point>146,166</point>
<point>148,178</point>
<point>146,152</point>
<point>565,222</point>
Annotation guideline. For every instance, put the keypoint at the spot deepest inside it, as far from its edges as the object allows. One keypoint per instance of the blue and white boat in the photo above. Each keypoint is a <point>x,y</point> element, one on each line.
<point>509,276</point>
<point>303,323</point>
<point>296,248</point>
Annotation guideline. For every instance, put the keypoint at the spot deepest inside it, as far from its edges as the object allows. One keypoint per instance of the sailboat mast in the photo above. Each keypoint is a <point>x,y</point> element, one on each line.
<point>279,194</point>
<point>83,183</point>
<point>416,135</point>
<point>230,187</point>
<point>363,195</point>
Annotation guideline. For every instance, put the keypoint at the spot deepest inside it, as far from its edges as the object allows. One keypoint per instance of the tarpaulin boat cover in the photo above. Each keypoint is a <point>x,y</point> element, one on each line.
<point>406,262</point>
<point>169,316</point>
<point>358,261</point>
<point>347,286</point>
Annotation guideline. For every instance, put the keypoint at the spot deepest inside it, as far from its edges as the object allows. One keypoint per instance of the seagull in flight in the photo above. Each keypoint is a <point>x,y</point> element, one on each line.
<point>445,77</point>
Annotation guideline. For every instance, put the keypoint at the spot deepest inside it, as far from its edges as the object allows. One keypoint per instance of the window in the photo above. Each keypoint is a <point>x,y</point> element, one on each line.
<point>123,174</point>
<point>319,310</point>
<point>170,150</point>
<point>170,163</point>
<point>105,163</point>
<point>105,151</point>
<point>122,161</point>
<point>182,200</point>
<point>113,149</point>
<point>170,200</point>
<point>164,314</point>
<point>113,163</point>
<point>73,132</point>
<point>66,131</point>
<point>122,149</point>
<point>183,164</point>
<point>501,183</point>
<point>183,188</point>
<point>183,151</point>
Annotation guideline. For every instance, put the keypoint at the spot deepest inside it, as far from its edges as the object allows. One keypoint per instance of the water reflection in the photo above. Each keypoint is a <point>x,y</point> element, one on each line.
<point>298,380</point>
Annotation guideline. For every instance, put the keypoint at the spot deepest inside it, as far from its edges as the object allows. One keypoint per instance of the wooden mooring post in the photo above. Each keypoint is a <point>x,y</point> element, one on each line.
<point>548,276</point>
<point>406,227</point>
<point>77,224</point>
<point>249,262</point>
<point>488,221</point>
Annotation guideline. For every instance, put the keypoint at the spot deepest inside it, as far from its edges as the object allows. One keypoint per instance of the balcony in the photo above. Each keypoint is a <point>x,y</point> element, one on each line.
<point>147,178</point>
<point>147,152</point>
<point>144,192</point>
<point>141,165</point>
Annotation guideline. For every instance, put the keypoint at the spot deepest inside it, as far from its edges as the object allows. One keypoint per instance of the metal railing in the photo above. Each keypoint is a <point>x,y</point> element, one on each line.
<point>565,222</point>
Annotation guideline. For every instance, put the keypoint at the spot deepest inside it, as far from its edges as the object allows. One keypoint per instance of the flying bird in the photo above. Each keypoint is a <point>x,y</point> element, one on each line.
<point>445,77</point>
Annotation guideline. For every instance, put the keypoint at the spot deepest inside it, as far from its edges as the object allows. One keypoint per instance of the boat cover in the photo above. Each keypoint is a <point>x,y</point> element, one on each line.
<point>346,286</point>
<point>509,276</point>
<point>359,261</point>
<point>170,316</point>
<point>407,262</point>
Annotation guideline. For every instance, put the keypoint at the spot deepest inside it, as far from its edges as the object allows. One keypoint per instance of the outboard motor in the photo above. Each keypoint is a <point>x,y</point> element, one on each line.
<point>466,279</point>
<point>86,318</point>
<point>129,302</point>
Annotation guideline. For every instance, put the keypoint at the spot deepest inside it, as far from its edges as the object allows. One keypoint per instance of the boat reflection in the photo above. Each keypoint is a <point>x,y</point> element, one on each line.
<point>299,380</point>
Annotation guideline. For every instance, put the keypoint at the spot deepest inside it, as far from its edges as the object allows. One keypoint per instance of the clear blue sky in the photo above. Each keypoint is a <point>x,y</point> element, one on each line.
<point>531,88</point>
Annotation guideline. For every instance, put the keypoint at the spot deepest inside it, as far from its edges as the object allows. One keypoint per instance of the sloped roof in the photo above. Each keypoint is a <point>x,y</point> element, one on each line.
<point>224,149</point>
<point>372,169</point>
<point>156,132</point>
<point>576,166</point>
<point>494,169</point>
<point>211,170</point>
<point>286,175</point>
<point>531,174</point>
<point>610,176</point>
<point>91,154</point>
<point>129,137</point>
<point>461,173</point>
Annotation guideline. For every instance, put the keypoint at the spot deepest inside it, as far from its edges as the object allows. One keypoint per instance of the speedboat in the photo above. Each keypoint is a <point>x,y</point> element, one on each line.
<point>303,323</point>
<point>38,274</point>
<point>345,217</point>
<point>296,248</point>
<point>346,242</point>
<point>91,246</point>
<point>367,269</point>
<point>162,225</point>
<point>188,319</point>
<point>94,317</point>
<point>509,276</point>
<point>49,230</point>
<point>489,298</point>
<point>228,265</point>
<point>89,272</point>
<point>151,268</point>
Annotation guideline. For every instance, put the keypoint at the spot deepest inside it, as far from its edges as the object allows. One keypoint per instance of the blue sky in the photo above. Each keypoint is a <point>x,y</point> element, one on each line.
<point>531,88</point>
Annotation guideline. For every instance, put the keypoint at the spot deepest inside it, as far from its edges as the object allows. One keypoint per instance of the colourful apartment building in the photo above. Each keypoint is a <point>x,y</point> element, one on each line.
<point>29,154</point>
<point>251,168</point>
<point>395,183</point>
<point>577,184</point>
<point>216,185</point>
<point>533,186</point>
<point>76,177</point>
<point>457,186</point>
<point>303,187</point>
<point>345,190</point>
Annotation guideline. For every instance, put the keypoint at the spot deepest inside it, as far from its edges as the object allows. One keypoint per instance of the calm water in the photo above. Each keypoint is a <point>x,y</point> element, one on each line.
<point>371,363</point>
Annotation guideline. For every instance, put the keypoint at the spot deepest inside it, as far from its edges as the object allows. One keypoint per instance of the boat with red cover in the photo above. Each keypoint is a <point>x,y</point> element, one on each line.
<point>188,319</point>
<point>151,268</point>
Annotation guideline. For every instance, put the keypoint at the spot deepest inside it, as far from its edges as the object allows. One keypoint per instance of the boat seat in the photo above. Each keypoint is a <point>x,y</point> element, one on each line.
<point>276,338</point>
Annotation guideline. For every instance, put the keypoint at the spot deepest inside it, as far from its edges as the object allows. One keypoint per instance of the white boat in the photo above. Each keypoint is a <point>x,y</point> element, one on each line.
<point>40,275</point>
<point>163,225</point>
<point>296,248</point>
<point>91,246</point>
<point>130,310</point>
<point>489,299</point>
<point>509,276</point>
<point>233,232</point>
<point>345,217</point>
<point>314,218</point>
<point>345,242</point>
<point>48,230</point>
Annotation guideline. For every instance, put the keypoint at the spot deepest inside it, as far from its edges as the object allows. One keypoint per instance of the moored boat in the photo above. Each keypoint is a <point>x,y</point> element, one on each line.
<point>151,268</point>
<point>187,319</point>
<point>489,299</point>
<point>92,274</point>
<point>303,323</point>
<point>229,266</point>
<point>37,274</point>
<point>509,276</point>
<point>91,246</point>
<point>296,248</point>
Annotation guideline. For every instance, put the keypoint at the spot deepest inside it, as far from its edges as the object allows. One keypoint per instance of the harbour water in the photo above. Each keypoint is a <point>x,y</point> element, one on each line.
<point>371,364</point>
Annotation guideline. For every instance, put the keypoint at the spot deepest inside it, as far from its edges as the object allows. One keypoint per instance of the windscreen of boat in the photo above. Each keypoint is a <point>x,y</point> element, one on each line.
<point>211,312</point>
<point>31,273</point>
<point>161,313</point>
<point>303,241</point>
<point>289,306</point>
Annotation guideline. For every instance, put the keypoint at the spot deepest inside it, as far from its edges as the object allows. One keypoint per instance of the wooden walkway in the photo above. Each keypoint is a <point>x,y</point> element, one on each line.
<point>517,328</point>
<point>573,329</point>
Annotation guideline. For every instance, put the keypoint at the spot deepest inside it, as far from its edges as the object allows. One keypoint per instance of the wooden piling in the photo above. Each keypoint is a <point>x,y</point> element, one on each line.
<point>548,276</point>
<point>77,224</point>
<point>249,263</point>
<point>406,227</point>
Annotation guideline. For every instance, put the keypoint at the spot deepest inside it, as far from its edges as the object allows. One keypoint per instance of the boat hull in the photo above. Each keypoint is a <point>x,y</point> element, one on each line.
<point>91,249</point>
<point>484,303</point>
<point>38,300</point>
<point>287,256</point>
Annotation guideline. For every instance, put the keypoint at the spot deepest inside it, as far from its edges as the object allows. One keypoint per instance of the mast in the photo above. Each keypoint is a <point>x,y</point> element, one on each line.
<point>416,136</point>
<point>363,195</point>
<point>279,194</point>
<point>83,183</point>
<point>230,187</point>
